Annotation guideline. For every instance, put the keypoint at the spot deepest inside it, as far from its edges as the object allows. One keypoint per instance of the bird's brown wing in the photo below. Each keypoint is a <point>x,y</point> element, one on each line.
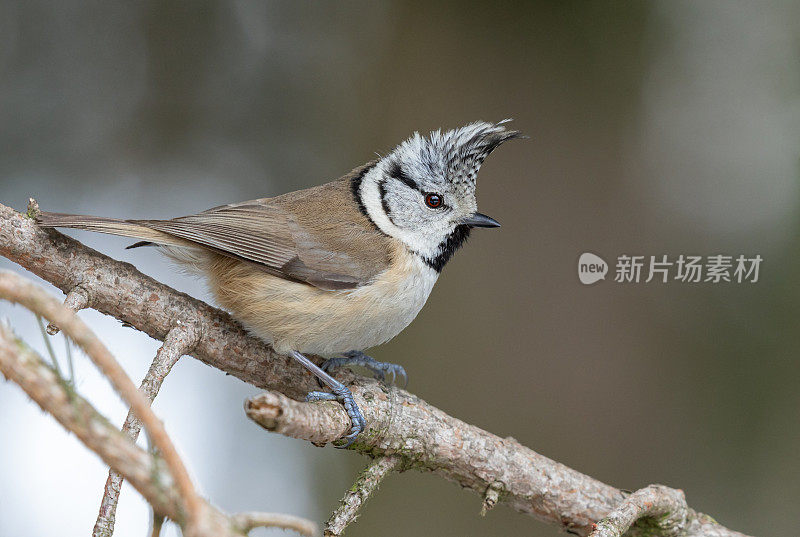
<point>310,236</point>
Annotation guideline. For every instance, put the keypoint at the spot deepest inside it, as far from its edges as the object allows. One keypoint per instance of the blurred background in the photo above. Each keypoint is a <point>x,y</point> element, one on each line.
<point>655,128</point>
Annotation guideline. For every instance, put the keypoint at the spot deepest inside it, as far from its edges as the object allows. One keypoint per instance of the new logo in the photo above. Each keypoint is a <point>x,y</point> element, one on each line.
<point>591,268</point>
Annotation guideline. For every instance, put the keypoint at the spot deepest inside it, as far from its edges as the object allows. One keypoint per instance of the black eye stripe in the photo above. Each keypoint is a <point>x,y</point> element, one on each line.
<point>397,172</point>
<point>432,199</point>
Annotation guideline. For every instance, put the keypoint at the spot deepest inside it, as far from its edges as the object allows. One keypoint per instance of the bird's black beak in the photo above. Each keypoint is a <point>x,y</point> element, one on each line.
<point>480,220</point>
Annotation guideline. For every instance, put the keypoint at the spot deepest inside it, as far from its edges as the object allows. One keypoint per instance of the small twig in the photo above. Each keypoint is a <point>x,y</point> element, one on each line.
<point>244,522</point>
<point>366,484</point>
<point>21,291</point>
<point>491,497</point>
<point>658,507</point>
<point>158,523</point>
<point>180,340</point>
<point>50,352</point>
<point>68,352</point>
<point>76,300</point>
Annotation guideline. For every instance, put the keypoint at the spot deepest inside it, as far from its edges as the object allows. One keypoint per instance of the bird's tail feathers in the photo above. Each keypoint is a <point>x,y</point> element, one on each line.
<point>113,226</point>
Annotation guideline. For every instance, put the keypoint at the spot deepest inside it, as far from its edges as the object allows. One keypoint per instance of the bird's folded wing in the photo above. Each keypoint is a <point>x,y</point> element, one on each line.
<point>272,237</point>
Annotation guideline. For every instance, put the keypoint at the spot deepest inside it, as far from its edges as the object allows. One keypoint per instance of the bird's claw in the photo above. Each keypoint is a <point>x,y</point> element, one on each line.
<point>395,370</point>
<point>383,371</point>
<point>344,396</point>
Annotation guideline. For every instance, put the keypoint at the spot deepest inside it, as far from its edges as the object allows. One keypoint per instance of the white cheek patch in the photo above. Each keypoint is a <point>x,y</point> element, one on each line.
<point>370,194</point>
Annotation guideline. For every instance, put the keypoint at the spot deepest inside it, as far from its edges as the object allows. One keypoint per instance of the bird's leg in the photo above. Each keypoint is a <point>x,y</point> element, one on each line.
<point>340,393</point>
<point>381,370</point>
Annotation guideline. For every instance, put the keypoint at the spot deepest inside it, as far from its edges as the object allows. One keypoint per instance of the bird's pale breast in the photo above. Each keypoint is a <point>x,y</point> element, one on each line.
<point>298,316</point>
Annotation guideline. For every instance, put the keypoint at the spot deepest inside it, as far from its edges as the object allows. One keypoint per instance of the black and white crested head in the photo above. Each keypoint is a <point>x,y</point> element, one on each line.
<point>423,192</point>
<point>457,153</point>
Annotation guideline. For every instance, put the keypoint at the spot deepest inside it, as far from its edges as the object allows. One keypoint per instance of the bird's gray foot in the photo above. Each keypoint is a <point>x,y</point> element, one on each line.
<point>384,371</point>
<point>340,393</point>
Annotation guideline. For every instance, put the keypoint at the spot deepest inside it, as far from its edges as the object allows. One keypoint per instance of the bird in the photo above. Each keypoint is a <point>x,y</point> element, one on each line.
<point>338,268</point>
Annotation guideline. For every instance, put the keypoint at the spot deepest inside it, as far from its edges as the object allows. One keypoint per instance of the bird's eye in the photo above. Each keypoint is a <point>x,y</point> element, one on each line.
<point>434,201</point>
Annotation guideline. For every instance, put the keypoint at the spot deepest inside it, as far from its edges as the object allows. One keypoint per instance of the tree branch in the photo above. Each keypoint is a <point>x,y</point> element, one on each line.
<point>180,340</point>
<point>147,474</point>
<point>656,505</point>
<point>152,476</point>
<point>428,439</point>
<point>366,484</point>
<point>397,422</point>
<point>119,290</point>
<point>76,300</point>
<point>20,291</point>
<point>245,522</point>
